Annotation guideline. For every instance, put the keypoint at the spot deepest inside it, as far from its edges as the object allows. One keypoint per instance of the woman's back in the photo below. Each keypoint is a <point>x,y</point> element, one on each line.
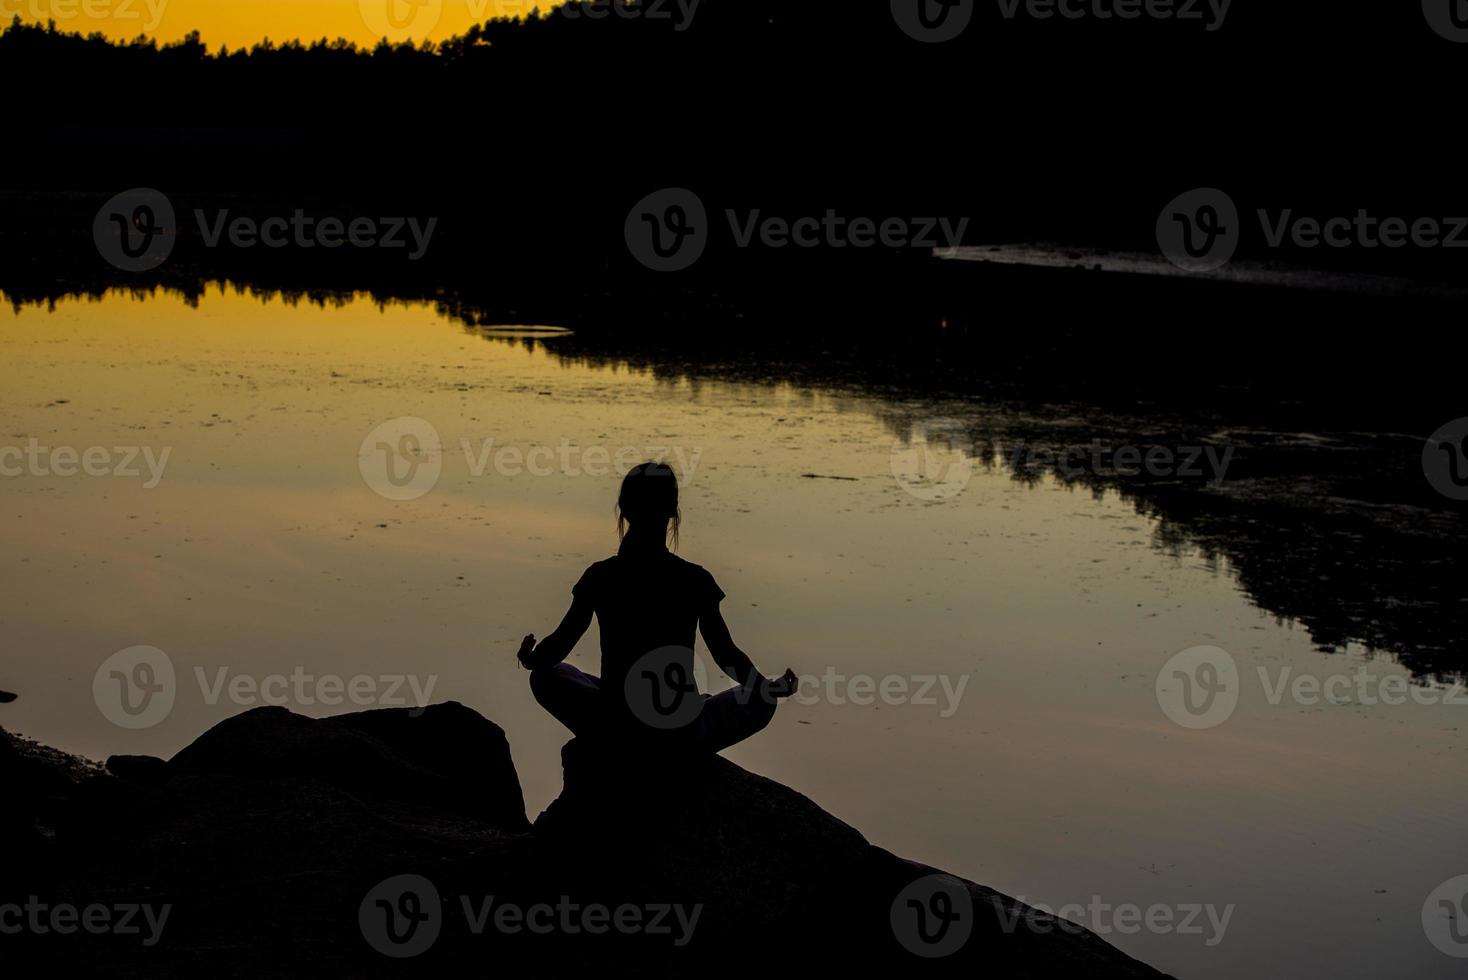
<point>645,601</point>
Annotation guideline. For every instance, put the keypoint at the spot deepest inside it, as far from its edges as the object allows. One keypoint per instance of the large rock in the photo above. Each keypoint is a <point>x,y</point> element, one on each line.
<point>45,787</point>
<point>782,883</point>
<point>458,743</point>
<point>16,832</point>
<point>45,795</point>
<point>272,837</point>
<point>445,756</point>
<point>141,770</point>
<point>264,834</point>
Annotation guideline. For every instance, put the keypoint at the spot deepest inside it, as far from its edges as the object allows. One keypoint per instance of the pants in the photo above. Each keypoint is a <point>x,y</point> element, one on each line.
<point>576,699</point>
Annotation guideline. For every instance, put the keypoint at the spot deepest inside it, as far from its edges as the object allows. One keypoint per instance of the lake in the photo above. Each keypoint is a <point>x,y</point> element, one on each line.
<point>327,506</point>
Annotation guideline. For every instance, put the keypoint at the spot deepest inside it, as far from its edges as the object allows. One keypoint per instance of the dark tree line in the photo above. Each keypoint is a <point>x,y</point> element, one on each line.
<point>1041,129</point>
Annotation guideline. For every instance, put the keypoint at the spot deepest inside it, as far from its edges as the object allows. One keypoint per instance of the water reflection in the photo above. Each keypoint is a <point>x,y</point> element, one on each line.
<point>1336,531</point>
<point>863,528</point>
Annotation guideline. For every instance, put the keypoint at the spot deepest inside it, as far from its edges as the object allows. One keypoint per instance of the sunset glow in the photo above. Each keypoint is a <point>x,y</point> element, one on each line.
<point>242,23</point>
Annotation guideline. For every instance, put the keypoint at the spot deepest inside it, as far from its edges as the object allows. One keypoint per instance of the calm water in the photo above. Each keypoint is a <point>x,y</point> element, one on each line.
<point>1034,619</point>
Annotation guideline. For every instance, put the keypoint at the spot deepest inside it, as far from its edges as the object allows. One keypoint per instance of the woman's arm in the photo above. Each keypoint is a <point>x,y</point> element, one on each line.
<point>734,661</point>
<point>558,646</point>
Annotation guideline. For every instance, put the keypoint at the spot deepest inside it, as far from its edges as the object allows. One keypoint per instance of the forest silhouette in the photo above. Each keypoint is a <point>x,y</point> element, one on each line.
<point>1050,128</point>
<point>532,137</point>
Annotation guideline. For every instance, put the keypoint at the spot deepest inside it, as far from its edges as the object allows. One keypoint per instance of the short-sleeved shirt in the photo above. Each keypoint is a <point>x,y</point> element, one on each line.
<point>645,602</point>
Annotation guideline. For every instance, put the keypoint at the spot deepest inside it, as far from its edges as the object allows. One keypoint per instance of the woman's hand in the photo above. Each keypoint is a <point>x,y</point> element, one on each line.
<point>783,686</point>
<point>527,646</point>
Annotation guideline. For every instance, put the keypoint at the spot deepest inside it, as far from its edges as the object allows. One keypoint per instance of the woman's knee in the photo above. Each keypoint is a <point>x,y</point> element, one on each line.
<point>735,715</point>
<point>560,681</point>
<point>764,710</point>
<point>543,682</point>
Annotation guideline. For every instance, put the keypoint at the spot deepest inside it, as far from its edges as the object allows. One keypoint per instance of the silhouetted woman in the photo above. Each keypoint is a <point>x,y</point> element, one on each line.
<point>648,603</point>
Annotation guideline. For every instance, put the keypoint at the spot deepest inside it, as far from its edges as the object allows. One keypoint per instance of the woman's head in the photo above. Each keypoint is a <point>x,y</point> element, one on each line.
<point>649,500</point>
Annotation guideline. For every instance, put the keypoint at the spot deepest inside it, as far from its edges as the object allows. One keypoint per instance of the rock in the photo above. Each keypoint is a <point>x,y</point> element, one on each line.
<point>272,832</point>
<point>141,770</point>
<point>753,849</point>
<point>13,818</point>
<point>40,777</point>
<point>43,793</point>
<point>764,861</point>
<point>382,754</point>
<point>458,743</point>
<point>270,828</point>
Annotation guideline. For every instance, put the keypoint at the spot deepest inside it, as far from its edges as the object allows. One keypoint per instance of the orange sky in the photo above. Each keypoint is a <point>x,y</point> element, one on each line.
<point>239,23</point>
